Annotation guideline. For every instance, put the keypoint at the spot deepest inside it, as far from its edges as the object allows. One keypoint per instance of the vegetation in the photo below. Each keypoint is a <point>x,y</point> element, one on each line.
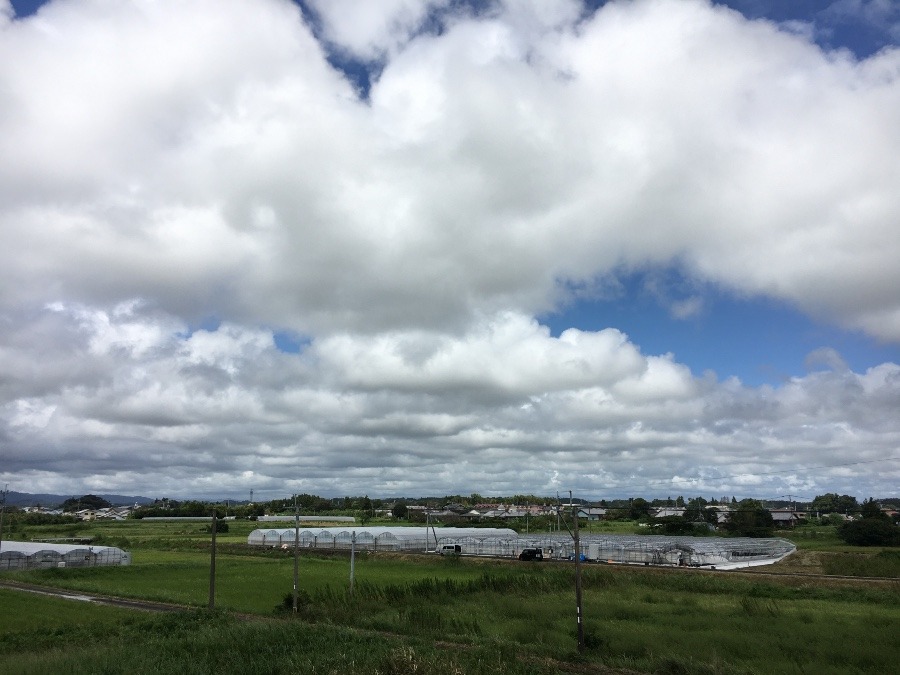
<point>85,502</point>
<point>425,613</point>
<point>834,503</point>
<point>750,519</point>
<point>874,528</point>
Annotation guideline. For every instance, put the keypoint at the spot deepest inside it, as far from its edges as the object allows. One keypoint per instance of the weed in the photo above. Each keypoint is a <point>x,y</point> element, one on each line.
<point>754,606</point>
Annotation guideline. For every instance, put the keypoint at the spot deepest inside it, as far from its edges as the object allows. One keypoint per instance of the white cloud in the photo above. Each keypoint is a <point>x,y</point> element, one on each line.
<point>498,408</point>
<point>164,163</point>
<point>493,162</point>
<point>370,30</point>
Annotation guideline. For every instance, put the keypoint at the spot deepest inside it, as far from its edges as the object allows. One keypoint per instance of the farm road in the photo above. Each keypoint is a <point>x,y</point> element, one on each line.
<point>143,605</point>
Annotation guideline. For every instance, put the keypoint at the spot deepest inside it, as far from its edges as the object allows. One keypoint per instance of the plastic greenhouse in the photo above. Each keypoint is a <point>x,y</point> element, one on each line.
<point>23,555</point>
<point>714,552</point>
<point>385,538</point>
<point>711,552</point>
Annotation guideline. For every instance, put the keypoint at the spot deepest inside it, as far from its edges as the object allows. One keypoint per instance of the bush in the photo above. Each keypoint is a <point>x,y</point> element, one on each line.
<point>870,532</point>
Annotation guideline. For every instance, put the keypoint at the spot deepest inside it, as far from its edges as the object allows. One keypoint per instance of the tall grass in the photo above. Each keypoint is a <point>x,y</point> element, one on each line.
<point>497,616</point>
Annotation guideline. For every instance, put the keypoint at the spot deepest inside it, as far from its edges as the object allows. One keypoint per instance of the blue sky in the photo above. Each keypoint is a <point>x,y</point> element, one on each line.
<point>434,247</point>
<point>759,340</point>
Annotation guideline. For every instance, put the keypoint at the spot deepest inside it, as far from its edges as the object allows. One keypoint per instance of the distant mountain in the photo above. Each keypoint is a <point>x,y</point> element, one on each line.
<point>52,501</point>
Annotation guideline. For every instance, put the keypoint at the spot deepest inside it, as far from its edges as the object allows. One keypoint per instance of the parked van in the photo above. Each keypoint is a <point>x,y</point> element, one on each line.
<point>531,554</point>
<point>450,549</point>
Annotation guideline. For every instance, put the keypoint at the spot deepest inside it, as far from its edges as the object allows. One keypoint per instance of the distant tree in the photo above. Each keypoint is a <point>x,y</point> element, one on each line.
<point>749,519</point>
<point>85,502</point>
<point>870,532</point>
<point>679,502</point>
<point>831,502</point>
<point>639,508</point>
<point>673,525</point>
<point>871,509</point>
<point>400,510</point>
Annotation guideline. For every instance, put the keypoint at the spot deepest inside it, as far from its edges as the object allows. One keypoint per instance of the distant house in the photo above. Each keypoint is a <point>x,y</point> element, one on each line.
<point>786,517</point>
<point>592,513</point>
<point>669,511</point>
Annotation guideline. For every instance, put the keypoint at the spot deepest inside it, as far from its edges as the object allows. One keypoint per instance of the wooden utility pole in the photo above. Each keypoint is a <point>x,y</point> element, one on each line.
<point>578,603</point>
<point>212,563</point>
<point>352,559</point>
<point>296,552</point>
<point>2,511</point>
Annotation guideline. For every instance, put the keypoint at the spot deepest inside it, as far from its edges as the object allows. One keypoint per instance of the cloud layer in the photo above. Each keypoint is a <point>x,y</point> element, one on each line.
<point>166,166</point>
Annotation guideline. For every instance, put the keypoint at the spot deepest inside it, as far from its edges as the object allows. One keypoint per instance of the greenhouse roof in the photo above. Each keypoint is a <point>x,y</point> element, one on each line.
<point>398,532</point>
<point>32,547</point>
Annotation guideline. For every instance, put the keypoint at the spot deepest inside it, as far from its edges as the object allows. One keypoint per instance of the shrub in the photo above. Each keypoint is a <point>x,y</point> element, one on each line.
<point>870,532</point>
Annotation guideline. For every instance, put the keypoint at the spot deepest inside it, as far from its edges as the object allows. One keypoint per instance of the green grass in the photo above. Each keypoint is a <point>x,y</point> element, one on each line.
<point>18,613</point>
<point>243,582</point>
<point>885,563</point>
<point>203,642</point>
<point>513,621</point>
<point>492,616</point>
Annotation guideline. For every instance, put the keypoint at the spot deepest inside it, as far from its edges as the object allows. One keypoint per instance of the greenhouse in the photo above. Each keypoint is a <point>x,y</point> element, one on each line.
<point>710,552</point>
<point>23,555</point>
<point>387,538</point>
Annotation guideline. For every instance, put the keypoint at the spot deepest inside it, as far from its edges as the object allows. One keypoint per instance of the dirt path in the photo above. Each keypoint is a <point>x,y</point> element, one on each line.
<point>128,603</point>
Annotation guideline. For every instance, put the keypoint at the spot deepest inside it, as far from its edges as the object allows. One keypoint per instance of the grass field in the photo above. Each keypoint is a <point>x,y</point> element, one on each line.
<point>425,613</point>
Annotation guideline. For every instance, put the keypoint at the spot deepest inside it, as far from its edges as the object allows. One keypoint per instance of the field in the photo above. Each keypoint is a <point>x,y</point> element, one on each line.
<point>416,613</point>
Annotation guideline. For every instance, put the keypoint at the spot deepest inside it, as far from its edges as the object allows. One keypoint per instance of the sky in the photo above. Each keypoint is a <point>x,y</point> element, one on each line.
<point>424,247</point>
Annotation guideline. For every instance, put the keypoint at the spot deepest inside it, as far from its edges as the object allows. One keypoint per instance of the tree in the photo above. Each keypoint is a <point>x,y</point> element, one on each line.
<point>831,502</point>
<point>639,508</point>
<point>85,502</point>
<point>400,510</point>
<point>750,519</point>
<point>871,509</point>
<point>870,532</point>
<point>674,525</point>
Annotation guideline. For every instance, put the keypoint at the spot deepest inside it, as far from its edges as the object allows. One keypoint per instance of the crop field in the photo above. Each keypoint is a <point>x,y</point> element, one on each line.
<point>417,613</point>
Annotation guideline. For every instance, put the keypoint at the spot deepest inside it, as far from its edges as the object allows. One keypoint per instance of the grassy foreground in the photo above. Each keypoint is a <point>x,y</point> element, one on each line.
<point>413,614</point>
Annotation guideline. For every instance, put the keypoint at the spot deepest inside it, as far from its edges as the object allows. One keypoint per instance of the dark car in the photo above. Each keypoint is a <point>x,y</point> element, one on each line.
<point>531,554</point>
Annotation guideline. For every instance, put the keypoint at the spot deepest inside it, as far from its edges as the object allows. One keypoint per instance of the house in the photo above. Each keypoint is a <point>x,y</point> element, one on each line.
<point>786,517</point>
<point>592,513</point>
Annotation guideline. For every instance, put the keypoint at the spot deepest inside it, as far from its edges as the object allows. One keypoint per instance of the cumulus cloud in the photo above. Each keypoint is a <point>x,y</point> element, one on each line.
<point>499,407</point>
<point>162,164</point>
<point>148,154</point>
<point>370,31</point>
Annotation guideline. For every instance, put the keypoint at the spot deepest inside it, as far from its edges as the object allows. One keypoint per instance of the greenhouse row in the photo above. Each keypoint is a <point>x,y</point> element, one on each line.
<point>416,539</point>
<point>712,552</point>
<point>24,555</point>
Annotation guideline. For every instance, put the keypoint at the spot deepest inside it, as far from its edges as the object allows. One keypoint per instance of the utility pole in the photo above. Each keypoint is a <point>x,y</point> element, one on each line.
<point>212,563</point>
<point>2,510</point>
<point>296,552</point>
<point>352,559</point>
<point>574,533</point>
<point>578,602</point>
